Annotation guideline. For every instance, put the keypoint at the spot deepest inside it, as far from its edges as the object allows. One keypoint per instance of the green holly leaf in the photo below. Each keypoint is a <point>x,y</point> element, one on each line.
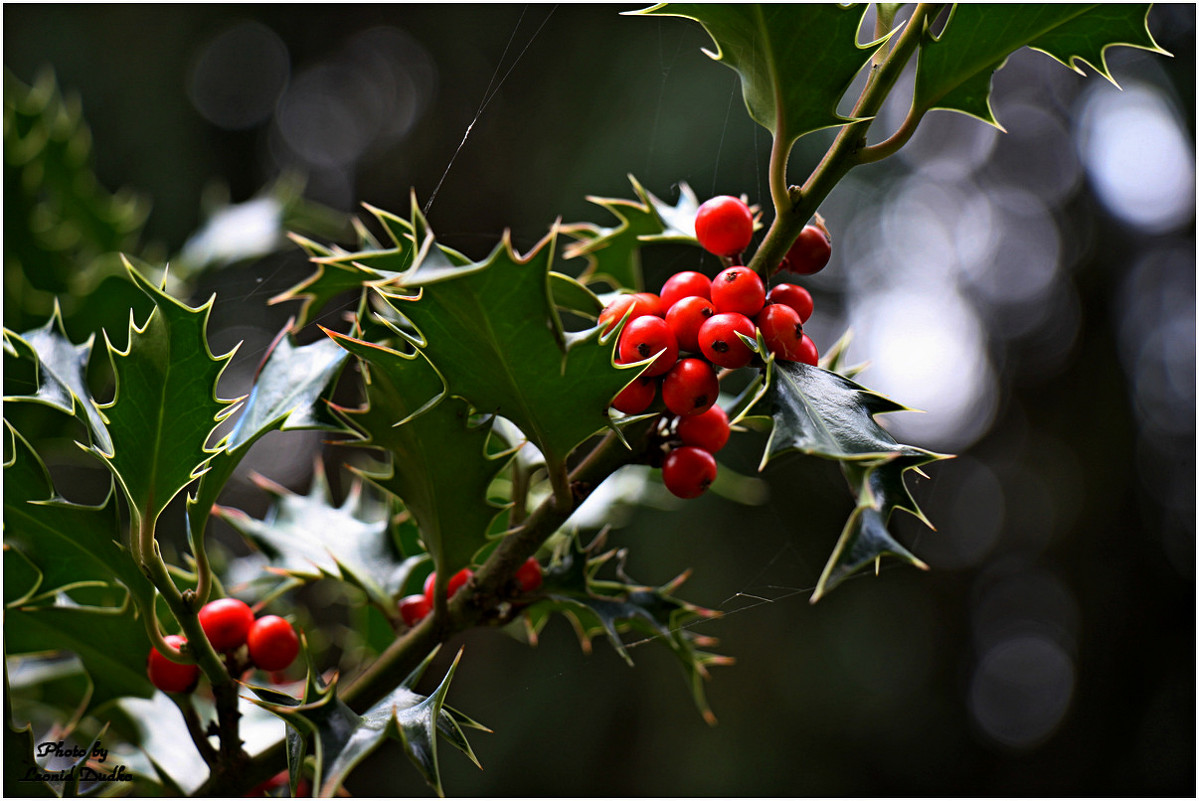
<point>880,489</point>
<point>110,642</point>
<point>824,414</point>
<point>614,608</point>
<point>69,543</point>
<point>954,70</point>
<point>342,739</point>
<point>286,396</point>
<point>308,537</point>
<point>493,332</point>
<point>339,272</point>
<point>614,254</point>
<point>439,463</point>
<point>795,61</point>
<point>61,369</point>
<point>165,407</point>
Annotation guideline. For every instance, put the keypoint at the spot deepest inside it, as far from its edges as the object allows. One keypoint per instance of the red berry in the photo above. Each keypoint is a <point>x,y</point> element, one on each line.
<point>724,225</point>
<point>456,583</point>
<point>413,609</point>
<point>686,284</point>
<point>688,471</point>
<point>781,331</point>
<point>809,253</point>
<point>738,289</point>
<point>807,352</point>
<point>273,643</point>
<point>690,387</point>
<point>708,431</point>
<point>637,396</point>
<point>685,317</point>
<point>644,337</point>
<point>794,296</point>
<point>225,623</point>
<point>528,575</point>
<point>718,340</point>
<point>642,304</point>
<point>168,676</point>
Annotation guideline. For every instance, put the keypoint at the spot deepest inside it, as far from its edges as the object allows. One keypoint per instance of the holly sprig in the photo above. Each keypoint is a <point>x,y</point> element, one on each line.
<point>454,355</point>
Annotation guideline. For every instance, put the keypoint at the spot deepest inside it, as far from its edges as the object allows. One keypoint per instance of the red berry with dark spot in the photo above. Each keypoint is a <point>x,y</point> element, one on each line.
<point>691,387</point>
<point>738,289</point>
<point>168,676</point>
<point>637,396</point>
<point>273,643</point>
<point>708,431</point>
<point>688,471</point>
<point>687,284</point>
<point>794,296</point>
<point>413,609</point>
<point>719,342</point>
<point>809,253</point>
<point>528,575</point>
<point>781,331</point>
<point>226,622</point>
<point>644,337</point>
<point>724,225</point>
<point>685,317</point>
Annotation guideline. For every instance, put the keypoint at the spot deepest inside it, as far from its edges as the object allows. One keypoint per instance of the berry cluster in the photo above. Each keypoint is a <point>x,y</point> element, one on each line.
<point>715,321</point>
<point>271,644</point>
<point>414,608</point>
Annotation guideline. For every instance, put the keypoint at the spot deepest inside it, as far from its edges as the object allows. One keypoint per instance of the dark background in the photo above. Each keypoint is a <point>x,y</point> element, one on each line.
<point>1031,291</point>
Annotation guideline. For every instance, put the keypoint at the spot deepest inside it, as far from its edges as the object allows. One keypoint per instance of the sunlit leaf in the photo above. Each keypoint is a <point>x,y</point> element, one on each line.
<point>61,367</point>
<point>309,537</point>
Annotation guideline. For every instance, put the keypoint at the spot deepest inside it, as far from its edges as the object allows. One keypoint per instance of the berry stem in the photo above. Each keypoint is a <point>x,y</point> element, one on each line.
<point>845,153</point>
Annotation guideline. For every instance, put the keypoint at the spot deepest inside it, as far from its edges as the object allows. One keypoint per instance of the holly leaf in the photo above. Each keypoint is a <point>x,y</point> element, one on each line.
<point>306,536</point>
<point>342,739</point>
<point>339,271</point>
<point>69,543</point>
<point>954,69</point>
<point>165,406</point>
<point>825,414</point>
<point>61,367</point>
<point>439,464</point>
<point>493,332</point>
<point>615,608</point>
<point>110,642</point>
<point>286,396</point>
<point>795,62</point>
<point>880,489</point>
<point>614,254</point>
